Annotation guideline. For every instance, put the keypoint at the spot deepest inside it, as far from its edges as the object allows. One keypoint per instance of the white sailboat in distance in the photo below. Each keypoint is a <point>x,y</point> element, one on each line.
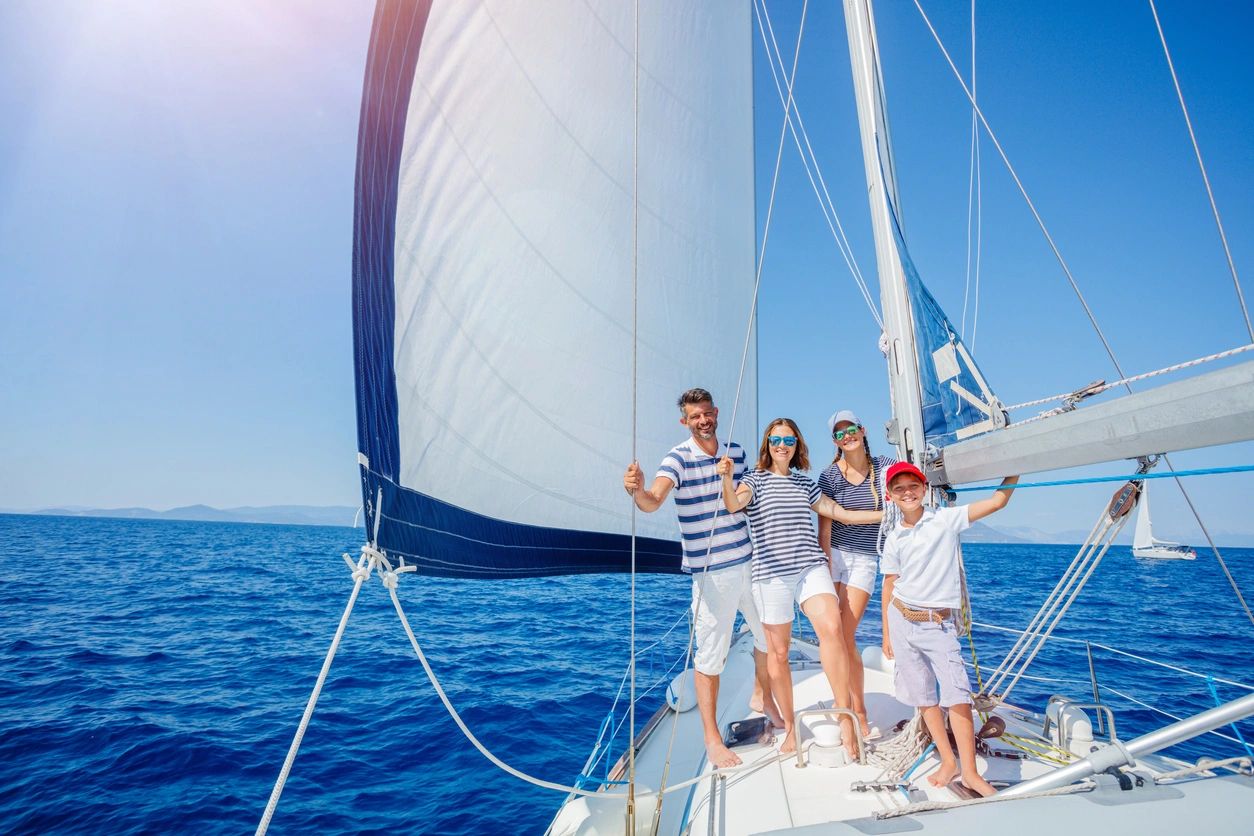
<point>1143,542</point>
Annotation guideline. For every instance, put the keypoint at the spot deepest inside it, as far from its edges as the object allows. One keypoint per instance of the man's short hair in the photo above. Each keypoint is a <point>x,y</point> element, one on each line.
<point>694,396</point>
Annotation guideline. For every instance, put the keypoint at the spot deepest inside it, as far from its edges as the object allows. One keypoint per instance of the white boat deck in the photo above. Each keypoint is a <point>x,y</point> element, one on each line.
<point>772,794</point>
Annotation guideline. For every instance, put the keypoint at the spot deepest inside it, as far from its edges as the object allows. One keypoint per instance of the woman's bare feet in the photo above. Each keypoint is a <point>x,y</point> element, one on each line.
<point>975,781</point>
<point>942,776</point>
<point>866,725</point>
<point>767,711</point>
<point>720,755</point>
<point>789,744</point>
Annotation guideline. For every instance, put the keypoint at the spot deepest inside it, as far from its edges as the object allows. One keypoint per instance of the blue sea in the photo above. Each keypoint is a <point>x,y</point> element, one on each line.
<point>152,673</point>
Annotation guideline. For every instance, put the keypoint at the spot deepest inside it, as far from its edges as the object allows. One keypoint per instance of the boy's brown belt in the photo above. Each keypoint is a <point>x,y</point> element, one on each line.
<point>919,616</point>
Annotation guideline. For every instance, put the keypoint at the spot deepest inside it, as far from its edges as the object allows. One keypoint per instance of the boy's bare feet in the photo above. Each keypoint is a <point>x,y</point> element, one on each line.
<point>720,755</point>
<point>975,781</point>
<point>944,774</point>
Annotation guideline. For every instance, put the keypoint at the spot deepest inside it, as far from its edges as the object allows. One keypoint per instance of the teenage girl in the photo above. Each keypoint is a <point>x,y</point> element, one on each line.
<point>855,480</point>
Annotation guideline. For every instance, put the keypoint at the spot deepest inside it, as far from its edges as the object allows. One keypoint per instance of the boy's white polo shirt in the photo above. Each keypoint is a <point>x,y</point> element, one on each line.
<point>924,558</point>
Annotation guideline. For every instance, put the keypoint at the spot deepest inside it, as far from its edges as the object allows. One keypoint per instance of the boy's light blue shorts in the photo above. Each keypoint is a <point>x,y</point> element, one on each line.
<point>929,669</point>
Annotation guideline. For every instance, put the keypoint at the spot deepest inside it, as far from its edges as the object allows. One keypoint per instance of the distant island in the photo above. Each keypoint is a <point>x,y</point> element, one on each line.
<point>341,515</point>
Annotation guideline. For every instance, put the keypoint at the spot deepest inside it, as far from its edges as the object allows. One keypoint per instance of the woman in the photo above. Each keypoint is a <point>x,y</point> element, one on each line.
<point>855,480</point>
<point>789,566</point>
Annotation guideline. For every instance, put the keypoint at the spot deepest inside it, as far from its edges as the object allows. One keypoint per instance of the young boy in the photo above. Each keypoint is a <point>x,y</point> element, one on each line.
<point>922,593</point>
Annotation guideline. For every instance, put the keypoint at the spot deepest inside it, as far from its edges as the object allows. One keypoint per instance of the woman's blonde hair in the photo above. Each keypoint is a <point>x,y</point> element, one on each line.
<point>800,459</point>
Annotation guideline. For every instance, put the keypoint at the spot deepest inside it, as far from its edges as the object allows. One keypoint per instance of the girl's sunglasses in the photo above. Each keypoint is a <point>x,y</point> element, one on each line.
<point>848,431</point>
<point>786,440</point>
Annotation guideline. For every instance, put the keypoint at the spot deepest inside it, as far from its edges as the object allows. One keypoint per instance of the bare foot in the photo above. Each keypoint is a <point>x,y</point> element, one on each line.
<point>720,755</point>
<point>976,782</point>
<point>944,774</point>
<point>849,739</point>
<point>790,743</point>
<point>757,704</point>
<point>866,725</point>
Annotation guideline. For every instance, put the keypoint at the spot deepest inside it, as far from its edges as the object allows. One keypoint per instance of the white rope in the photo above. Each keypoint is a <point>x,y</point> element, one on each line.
<point>1059,601</point>
<point>925,806</point>
<point>1210,194</point>
<point>1030,633</point>
<point>361,571</point>
<point>1096,390</point>
<point>1241,766</point>
<point>826,205</point>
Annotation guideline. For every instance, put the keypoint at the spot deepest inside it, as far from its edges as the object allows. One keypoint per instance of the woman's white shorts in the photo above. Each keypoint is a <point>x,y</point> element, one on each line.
<point>775,596</point>
<point>855,569</point>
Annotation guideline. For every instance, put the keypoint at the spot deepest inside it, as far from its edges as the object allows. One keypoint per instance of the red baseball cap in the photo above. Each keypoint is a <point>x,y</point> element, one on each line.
<point>902,468</point>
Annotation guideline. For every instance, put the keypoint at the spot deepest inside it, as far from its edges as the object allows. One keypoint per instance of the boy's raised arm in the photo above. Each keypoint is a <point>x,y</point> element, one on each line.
<point>980,510</point>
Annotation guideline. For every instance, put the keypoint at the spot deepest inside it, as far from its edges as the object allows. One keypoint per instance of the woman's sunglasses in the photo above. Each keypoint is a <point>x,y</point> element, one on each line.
<point>786,440</point>
<point>848,431</point>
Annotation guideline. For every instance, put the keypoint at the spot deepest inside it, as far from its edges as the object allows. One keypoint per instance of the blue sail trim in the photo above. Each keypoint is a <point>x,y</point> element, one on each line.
<point>946,368</point>
<point>395,40</point>
<point>443,540</point>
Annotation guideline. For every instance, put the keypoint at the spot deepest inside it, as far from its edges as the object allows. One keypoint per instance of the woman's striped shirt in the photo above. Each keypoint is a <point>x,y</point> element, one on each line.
<point>784,540</point>
<point>856,538</point>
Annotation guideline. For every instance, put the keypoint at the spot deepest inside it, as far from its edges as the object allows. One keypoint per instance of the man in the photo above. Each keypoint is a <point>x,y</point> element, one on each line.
<point>717,553</point>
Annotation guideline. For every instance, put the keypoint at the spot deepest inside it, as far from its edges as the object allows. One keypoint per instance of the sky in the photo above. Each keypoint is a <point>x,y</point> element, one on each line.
<point>176,218</point>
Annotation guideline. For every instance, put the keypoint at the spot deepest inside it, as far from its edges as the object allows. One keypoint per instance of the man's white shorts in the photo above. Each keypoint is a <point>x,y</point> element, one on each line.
<point>716,595</point>
<point>855,569</point>
<point>775,596</point>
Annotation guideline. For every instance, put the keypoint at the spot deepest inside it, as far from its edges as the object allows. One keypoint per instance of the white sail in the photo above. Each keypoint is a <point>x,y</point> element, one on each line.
<point>510,338</point>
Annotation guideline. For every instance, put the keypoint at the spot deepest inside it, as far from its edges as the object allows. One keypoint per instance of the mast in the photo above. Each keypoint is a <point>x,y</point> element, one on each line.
<point>906,428</point>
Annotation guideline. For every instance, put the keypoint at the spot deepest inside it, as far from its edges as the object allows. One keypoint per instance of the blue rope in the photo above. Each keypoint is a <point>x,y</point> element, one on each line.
<point>905,776</point>
<point>1205,471</point>
<point>1214,692</point>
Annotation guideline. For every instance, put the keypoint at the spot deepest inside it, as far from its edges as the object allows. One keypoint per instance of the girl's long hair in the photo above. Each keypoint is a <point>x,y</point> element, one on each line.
<point>800,458</point>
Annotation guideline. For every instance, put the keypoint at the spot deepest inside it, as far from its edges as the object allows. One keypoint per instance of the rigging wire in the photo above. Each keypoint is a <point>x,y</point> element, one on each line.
<point>1079,295</point>
<point>1075,287</point>
<point>826,205</point>
<point>635,308</point>
<point>1197,151</point>
<point>975,205</point>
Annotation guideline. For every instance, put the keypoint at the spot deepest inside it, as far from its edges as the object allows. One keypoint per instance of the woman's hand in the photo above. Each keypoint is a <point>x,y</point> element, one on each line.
<point>724,468</point>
